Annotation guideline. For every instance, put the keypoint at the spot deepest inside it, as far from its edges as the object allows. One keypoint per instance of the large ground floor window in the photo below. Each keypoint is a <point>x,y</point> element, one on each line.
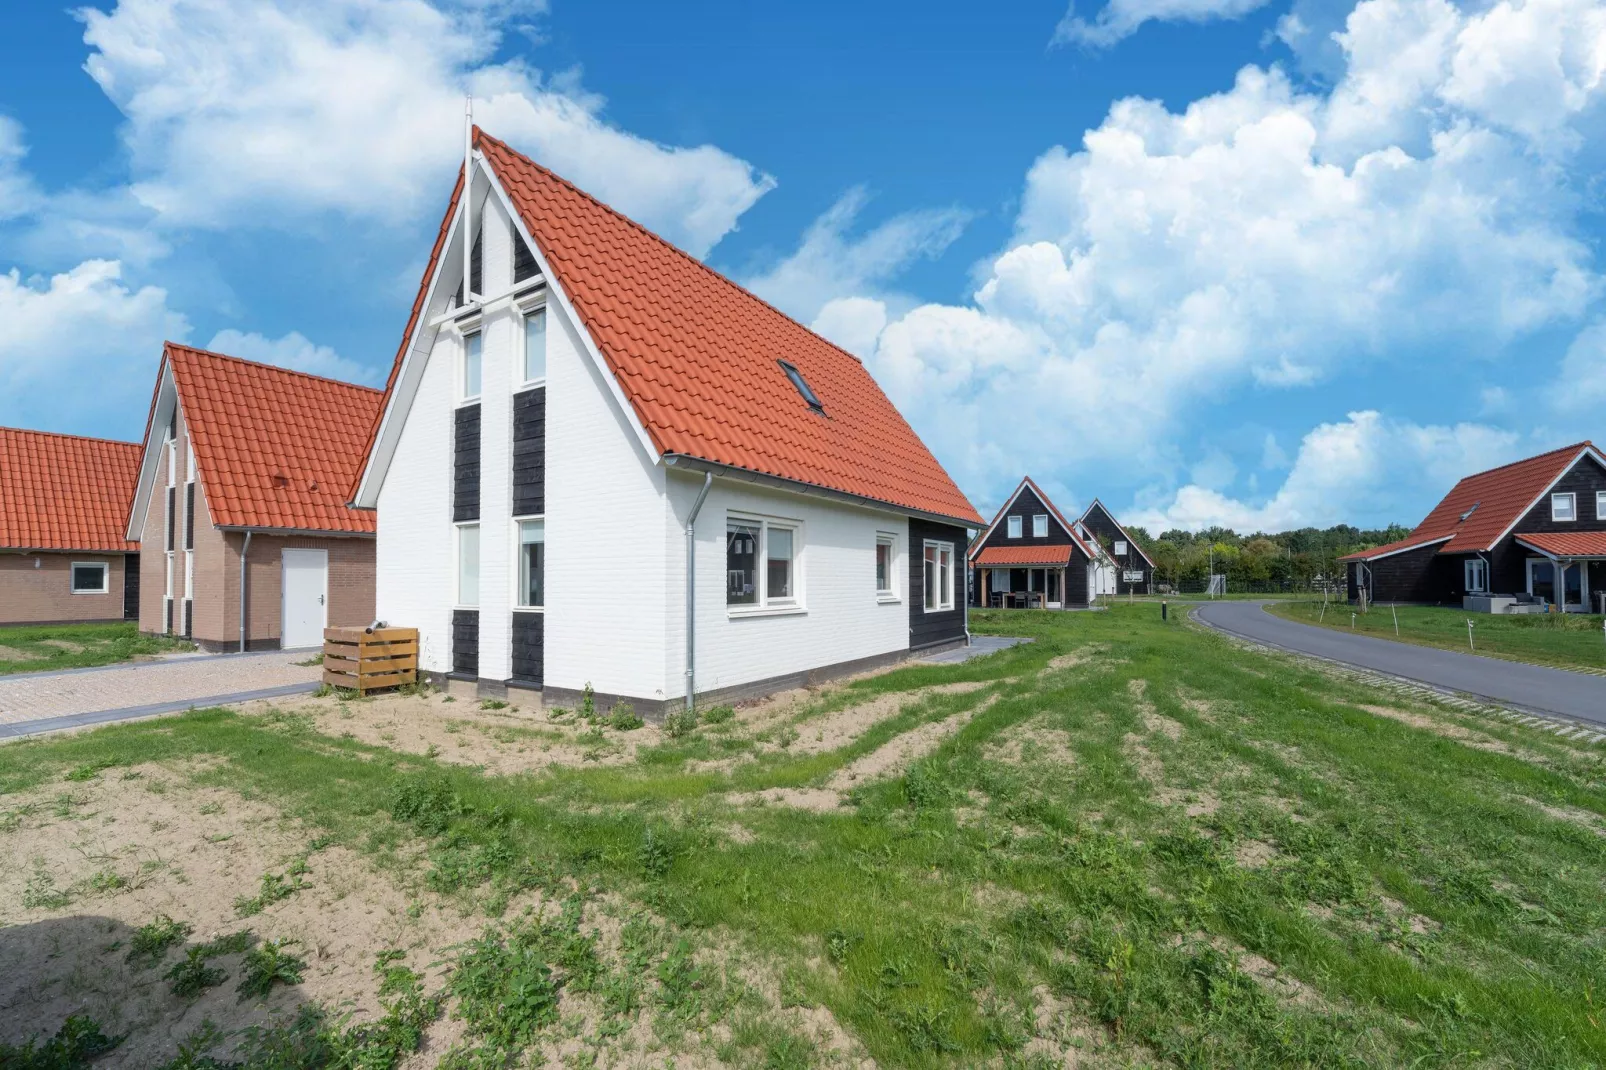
<point>939,576</point>
<point>532,564</point>
<point>761,557</point>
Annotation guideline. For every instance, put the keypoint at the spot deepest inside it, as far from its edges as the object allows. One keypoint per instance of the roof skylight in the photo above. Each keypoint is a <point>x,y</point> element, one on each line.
<point>1469,512</point>
<point>802,385</point>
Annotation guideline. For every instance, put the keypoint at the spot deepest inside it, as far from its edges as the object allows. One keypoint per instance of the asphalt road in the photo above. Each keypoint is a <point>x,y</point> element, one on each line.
<point>1534,687</point>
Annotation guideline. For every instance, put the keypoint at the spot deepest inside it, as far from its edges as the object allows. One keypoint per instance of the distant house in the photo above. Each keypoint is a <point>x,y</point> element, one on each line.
<point>1133,570</point>
<point>64,502</point>
<point>600,463</point>
<point>240,508</point>
<point>1031,556</point>
<point>1510,531</point>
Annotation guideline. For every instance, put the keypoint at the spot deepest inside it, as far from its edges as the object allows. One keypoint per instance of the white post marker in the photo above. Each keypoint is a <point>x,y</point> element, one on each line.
<point>1396,621</point>
<point>1469,636</point>
<point>1352,622</point>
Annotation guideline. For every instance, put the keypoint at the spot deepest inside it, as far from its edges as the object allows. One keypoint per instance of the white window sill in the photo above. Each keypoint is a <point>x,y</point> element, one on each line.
<point>767,611</point>
<point>529,384</point>
<point>92,592</point>
<point>465,402</point>
<point>529,609</point>
<point>888,599</point>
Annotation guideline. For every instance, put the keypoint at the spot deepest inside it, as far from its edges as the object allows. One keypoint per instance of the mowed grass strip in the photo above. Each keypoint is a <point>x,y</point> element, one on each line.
<point>39,648</point>
<point>1145,843</point>
<point>1560,640</point>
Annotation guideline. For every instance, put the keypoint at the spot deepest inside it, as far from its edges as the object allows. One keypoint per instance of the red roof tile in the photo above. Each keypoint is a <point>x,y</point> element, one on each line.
<point>62,492</point>
<point>275,448</point>
<point>1501,495</point>
<point>993,556</point>
<point>1407,543</point>
<point>1567,543</point>
<point>697,355</point>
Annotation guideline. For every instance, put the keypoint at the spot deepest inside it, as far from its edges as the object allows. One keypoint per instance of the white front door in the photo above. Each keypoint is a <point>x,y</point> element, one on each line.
<point>305,583</point>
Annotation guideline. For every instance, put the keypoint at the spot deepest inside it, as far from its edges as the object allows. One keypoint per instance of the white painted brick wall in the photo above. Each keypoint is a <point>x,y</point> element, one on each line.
<point>499,333</point>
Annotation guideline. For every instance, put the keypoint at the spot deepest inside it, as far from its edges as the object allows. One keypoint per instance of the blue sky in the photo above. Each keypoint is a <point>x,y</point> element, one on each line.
<point>1215,261</point>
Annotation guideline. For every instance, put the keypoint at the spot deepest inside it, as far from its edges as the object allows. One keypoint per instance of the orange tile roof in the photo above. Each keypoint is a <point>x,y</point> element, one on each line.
<point>1407,543</point>
<point>63,492</point>
<point>1501,495</point>
<point>697,355</point>
<point>993,556</point>
<point>274,448</point>
<point>1567,543</point>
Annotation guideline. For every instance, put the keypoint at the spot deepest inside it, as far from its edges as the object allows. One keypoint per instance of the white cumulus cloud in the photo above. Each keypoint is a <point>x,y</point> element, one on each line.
<point>80,349</point>
<point>1365,466</point>
<point>244,112</point>
<point>294,351</point>
<point>1120,19</point>
<point>1263,239</point>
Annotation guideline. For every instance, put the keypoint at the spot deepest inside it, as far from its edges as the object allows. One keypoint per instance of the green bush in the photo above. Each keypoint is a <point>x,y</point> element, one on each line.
<point>192,975</point>
<point>681,723</point>
<point>152,939</point>
<point>427,803</point>
<point>719,715</point>
<point>267,966</point>
<point>623,717</point>
<point>76,1044</point>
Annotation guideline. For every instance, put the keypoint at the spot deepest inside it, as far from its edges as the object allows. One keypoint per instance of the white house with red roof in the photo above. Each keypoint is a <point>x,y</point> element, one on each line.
<point>1500,539</point>
<point>1031,556</point>
<point>64,500</point>
<point>602,463</point>
<point>247,539</point>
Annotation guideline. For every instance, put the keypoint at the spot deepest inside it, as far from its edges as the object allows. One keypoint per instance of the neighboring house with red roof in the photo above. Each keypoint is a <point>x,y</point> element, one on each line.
<point>1133,570</point>
<point>63,506</point>
<point>600,418</point>
<point>241,506</point>
<point>1032,556</point>
<point>1508,531</point>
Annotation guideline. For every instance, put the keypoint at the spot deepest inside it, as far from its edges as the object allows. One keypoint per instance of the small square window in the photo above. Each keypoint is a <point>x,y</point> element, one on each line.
<point>1600,506</point>
<point>884,556</point>
<point>468,564</point>
<point>1120,548</point>
<point>473,354</point>
<point>1014,527</point>
<point>89,577</point>
<point>535,344</point>
<point>1040,526</point>
<point>532,564</point>
<point>1563,507</point>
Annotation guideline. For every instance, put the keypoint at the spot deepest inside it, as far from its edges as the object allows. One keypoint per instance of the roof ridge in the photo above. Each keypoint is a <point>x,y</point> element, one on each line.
<point>64,434</point>
<point>1586,443</point>
<point>655,236</point>
<point>271,367</point>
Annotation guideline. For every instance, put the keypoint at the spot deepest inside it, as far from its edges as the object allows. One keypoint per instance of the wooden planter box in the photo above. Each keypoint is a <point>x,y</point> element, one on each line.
<point>364,661</point>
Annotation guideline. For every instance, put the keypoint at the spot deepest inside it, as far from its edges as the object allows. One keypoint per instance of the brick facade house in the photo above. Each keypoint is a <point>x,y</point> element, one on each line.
<point>246,460</point>
<point>64,501</point>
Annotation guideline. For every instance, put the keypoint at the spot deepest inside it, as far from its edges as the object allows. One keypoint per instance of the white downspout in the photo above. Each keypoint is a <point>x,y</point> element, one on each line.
<point>245,548</point>
<point>691,592</point>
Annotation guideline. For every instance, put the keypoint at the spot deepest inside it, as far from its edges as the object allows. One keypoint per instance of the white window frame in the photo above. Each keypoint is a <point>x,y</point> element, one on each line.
<point>457,565</point>
<point>518,562</point>
<point>189,464</point>
<point>1600,506</point>
<point>945,598</point>
<point>105,576</point>
<point>767,606</point>
<point>1039,525</point>
<point>525,312</point>
<point>466,332</point>
<point>1475,575</point>
<point>1572,507</point>
<point>1014,528</point>
<point>889,593</point>
<point>1119,548</point>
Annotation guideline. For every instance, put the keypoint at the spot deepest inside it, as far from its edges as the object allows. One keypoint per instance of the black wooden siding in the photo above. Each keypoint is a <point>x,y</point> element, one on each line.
<point>466,642</point>
<point>131,587</point>
<point>1101,523</point>
<point>189,515</point>
<point>1076,592</point>
<point>528,632</point>
<point>529,452</point>
<point>1508,562</point>
<point>1027,505</point>
<point>928,628</point>
<point>466,464</point>
<point>523,260</point>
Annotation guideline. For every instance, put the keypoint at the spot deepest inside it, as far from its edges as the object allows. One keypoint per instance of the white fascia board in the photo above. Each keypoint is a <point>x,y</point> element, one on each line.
<point>1408,549</point>
<point>555,292</point>
<point>161,415</point>
<point>1130,541</point>
<point>401,397</point>
<point>998,518</point>
<point>1587,451</point>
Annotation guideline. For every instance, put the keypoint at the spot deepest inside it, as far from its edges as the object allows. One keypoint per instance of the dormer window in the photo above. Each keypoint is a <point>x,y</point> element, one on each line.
<point>1014,527</point>
<point>802,385</point>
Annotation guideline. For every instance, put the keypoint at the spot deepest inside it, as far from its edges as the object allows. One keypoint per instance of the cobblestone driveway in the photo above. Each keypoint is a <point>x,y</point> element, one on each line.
<point>43,702</point>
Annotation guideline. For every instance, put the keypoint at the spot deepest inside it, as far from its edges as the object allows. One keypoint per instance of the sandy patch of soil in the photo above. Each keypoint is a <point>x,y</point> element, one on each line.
<point>1071,659</point>
<point>896,754</point>
<point>11,653</point>
<point>1165,726</point>
<point>1253,854</point>
<point>64,644</point>
<point>1032,742</point>
<point>516,739</point>
<point>97,860</point>
<point>834,731</point>
<point>1449,730</point>
<point>816,800</point>
<point>1583,818</point>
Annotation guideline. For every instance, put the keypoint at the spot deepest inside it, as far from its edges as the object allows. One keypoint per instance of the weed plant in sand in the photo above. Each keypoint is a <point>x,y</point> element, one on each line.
<point>1126,843</point>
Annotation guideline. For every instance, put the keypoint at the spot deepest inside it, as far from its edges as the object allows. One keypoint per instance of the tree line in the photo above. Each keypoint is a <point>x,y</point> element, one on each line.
<point>1287,560</point>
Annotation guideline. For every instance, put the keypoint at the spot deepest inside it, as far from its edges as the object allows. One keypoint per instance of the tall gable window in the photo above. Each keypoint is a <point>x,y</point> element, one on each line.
<point>1564,507</point>
<point>532,564</point>
<point>1476,573</point>
<point>1014,527</point>
<point>885,558</point>
<point>1040,526</point>
<point>468,565</point>
<point>535,344</point>
<point>802,385</point>
<point>473,358</point>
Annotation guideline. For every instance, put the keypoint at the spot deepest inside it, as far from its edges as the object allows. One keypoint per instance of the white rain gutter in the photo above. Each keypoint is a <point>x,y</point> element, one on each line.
<point>245,548</point>
<point>691,592</point>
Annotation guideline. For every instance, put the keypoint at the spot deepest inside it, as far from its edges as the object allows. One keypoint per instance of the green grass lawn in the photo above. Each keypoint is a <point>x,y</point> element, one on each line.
<point>33,648</point>
<point>1144,843</point>
<point>1566,641</point>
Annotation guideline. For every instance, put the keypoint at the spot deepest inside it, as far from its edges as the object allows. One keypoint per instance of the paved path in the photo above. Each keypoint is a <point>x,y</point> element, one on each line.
<point>1514,683</point>
<point>69,698</point>
<point>979,645</point>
